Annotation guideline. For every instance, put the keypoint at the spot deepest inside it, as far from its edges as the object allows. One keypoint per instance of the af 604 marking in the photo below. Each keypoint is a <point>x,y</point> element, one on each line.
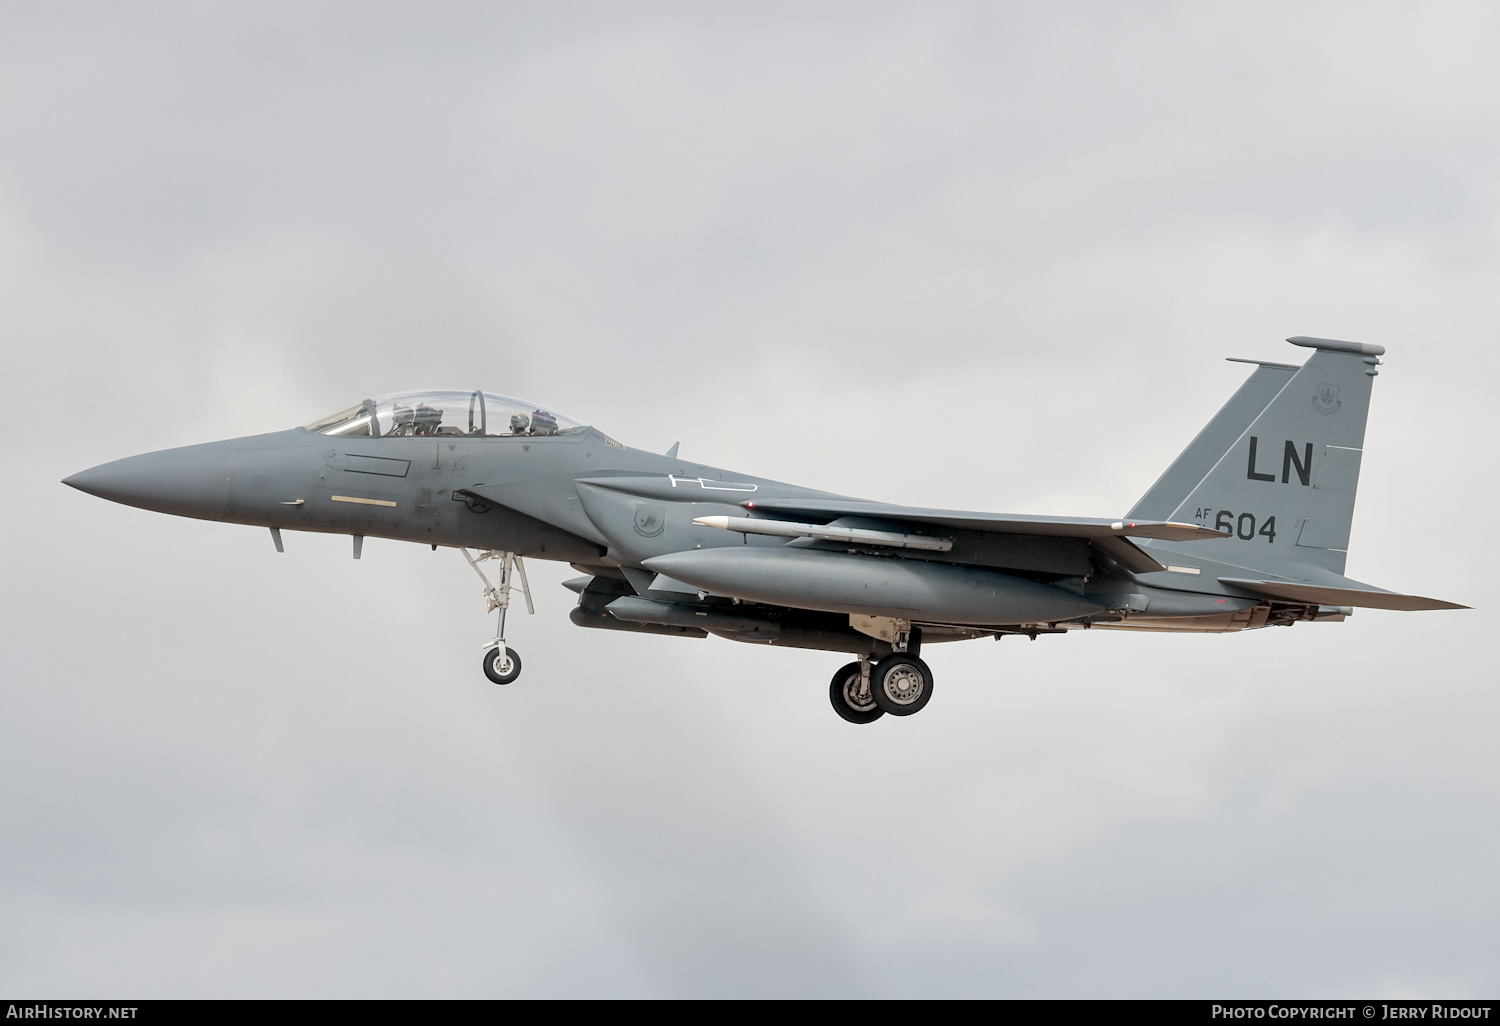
<point>1241,526</point>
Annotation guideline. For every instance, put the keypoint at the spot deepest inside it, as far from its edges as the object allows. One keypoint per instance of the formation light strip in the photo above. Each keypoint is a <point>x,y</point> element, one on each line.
<point>362,501</point>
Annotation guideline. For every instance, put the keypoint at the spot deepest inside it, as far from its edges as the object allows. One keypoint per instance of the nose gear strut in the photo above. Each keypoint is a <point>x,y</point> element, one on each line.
<point>501,665</point>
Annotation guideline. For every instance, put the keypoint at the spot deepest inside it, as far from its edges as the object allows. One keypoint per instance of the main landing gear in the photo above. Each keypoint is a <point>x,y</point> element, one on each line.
<point>899,684</point>
<point>501,664</point>
<point>851,695</point>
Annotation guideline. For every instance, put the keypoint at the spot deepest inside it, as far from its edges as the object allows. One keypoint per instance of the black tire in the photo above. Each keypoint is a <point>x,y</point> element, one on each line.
<point>841,693</point>
<point>902,684</point>
<point>493,672</point>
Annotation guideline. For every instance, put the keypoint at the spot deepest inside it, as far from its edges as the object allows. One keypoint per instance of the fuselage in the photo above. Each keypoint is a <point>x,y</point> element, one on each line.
<point>582,498</point>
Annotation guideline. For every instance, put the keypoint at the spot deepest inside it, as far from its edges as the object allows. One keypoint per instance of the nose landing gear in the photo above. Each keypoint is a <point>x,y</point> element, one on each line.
<point>501,664</point>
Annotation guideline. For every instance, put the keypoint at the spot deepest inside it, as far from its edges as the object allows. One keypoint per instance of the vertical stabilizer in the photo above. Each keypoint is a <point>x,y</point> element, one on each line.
<point>1283,491</point>
<point>1172,488</point>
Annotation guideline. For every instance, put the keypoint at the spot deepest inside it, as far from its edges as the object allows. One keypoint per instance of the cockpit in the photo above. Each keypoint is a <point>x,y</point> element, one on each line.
<point>438,414</point>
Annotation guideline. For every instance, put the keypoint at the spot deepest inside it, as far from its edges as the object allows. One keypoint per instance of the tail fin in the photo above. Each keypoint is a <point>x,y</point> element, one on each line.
<point>1283,489</point>
<point>1173,487</point>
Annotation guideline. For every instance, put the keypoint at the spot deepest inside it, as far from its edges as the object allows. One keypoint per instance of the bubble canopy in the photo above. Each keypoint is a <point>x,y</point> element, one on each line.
<point>437,414</point>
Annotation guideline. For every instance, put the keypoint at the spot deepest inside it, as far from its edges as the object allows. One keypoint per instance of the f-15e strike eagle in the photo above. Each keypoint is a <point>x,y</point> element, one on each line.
<point>1249,527</point>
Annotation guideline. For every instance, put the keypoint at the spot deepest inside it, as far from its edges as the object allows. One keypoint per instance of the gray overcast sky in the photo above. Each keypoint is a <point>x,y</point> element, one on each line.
<point>985,256</point>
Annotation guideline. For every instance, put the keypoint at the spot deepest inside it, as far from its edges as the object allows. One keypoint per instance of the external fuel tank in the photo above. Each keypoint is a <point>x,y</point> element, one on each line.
<point>845,582</point>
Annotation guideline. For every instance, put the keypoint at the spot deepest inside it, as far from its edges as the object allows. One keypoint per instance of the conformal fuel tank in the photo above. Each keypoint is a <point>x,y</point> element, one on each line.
<point>842,582</point>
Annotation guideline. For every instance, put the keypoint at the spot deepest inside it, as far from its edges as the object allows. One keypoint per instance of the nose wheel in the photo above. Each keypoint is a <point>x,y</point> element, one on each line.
<point>501,664</point>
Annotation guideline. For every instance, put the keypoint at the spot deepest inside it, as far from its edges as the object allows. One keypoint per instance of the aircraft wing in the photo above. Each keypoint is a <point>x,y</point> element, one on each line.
<point>1363,596</point>
<point>1054,527</point>
<point>830,507</point>
<point>1110,536</point>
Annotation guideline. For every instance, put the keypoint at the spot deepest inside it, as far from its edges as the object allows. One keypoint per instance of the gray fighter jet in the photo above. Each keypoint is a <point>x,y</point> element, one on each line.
<point>1248,528</point>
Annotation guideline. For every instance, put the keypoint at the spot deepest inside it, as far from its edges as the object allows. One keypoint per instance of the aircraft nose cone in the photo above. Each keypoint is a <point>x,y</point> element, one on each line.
<point>192,481</point>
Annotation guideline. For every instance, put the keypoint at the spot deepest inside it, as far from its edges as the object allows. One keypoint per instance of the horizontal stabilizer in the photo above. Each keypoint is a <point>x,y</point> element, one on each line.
<point>1368,598</point>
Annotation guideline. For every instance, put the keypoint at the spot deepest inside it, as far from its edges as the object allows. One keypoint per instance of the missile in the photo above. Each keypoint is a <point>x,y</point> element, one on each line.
<point>842,582</point>
<point>827,532</point>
